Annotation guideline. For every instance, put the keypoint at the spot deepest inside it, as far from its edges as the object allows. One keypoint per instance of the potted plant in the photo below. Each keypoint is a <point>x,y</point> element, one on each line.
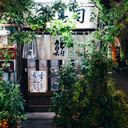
<point>12,103</point>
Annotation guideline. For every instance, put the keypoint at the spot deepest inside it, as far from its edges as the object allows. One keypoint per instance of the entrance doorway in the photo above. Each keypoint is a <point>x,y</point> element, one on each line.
<point>36,85</point>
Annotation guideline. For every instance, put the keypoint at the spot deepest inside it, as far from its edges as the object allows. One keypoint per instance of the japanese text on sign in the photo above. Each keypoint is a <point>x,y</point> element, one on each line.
<point>38,81</point>
<point>59,48</point>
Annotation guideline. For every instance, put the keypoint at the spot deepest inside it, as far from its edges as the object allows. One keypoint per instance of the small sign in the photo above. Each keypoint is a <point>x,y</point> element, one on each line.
<point>37,81</point>
<point>54,86</point>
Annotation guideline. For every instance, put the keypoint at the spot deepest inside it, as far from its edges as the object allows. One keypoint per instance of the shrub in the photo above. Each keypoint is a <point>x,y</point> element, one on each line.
<point>11,104</point>
<point>89,100</point>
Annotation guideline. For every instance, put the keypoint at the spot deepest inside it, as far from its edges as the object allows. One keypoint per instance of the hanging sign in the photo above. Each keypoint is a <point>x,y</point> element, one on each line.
<point>37,81</point>
<point>43,45</point>
<point>58,50</point>
<point>87,18</point>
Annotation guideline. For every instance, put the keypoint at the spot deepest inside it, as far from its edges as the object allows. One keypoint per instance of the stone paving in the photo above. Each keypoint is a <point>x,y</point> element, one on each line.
<point>38,120</point>
<point>37,123</point>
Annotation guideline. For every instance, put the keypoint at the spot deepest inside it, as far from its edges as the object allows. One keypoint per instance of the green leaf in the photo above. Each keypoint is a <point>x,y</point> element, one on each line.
<point>33,27</point>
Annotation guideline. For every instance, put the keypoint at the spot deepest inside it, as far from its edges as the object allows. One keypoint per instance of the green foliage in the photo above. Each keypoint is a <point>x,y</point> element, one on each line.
<point>23,37</point>
<point>12,10</point>
<point>111,19</point>
<point>89,99</point>
<point>11,103</point>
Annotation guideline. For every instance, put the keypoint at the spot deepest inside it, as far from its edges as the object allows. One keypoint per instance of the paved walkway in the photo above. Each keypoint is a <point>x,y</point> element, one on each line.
<point>38,120</point>
<point>121,81</point>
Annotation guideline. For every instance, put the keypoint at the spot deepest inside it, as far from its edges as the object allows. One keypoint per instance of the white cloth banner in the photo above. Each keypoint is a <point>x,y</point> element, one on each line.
<point>47,47</point>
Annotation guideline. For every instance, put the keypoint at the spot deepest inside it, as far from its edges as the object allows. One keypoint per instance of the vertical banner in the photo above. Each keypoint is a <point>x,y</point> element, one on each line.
<point>78,47</point>
<point>30,50</point>
<point>38,81</point>
<point>44,47</point>
<point>58,50</point>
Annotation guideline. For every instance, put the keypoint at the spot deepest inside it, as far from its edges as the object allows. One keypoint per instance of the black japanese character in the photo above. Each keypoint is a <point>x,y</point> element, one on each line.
<point>29,53</point>
<point>41,76</point>
<point>34,81</point>
<point>41,86</point>
<point>79,11</point>
<point>34,75</point>
<point>56,48</point>
<point>62,47</point>
<point>62,16</point>
<point>30,46</point>
<point>34,86</point>
<point>38,88</point>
